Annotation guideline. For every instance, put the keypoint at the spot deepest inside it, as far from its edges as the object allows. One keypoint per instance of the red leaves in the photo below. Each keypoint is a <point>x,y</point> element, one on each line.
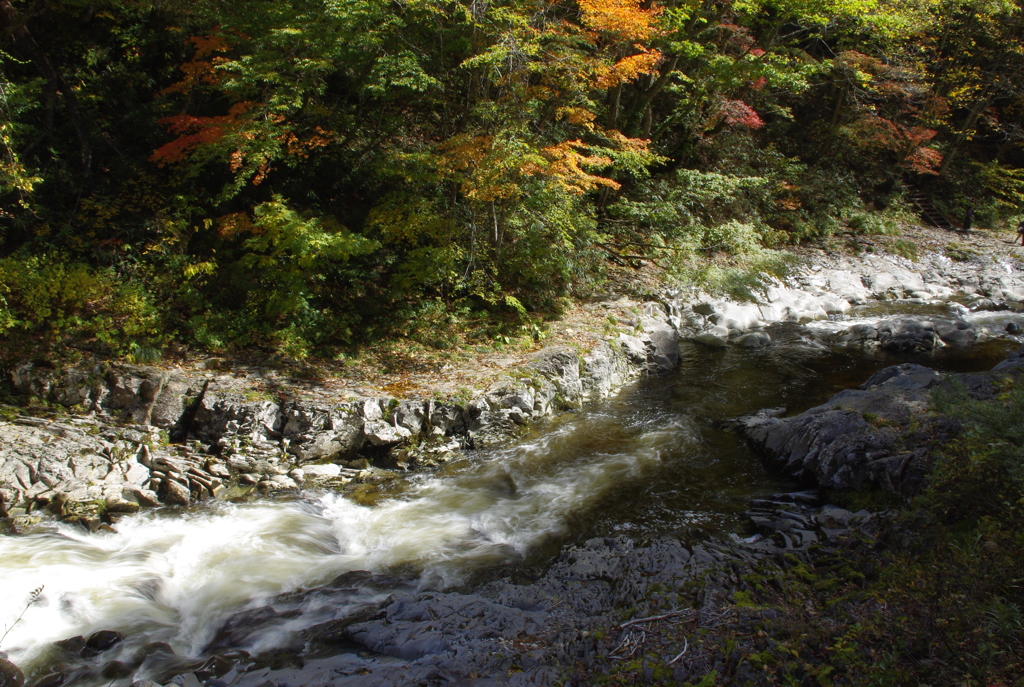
<point>196,131</point>
<point>200,70</point>
<point>906,141</point>
<point>738,113</point>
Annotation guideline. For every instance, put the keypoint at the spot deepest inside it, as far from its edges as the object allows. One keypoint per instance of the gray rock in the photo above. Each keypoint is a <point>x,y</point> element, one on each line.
<point>754,340</point>
<point>907,335</point>
<point>634,348</point>
<point>339,441</point>
<point>882,284</point>
<point>855,438</point>
<point>560,365</point>
<point>169,406</point>
<point>860,436</point>
<point>176,493</point>
<point>513,396</point>
<point>321,471</point>
<point>445,417</point>
<point>412,415</point>
<point>906,376</point>
<point>715,337</point>
<point>283,482</point>
<point>371,409</point>
<point>663,347</point>
<point>603,371</point>
<point>705,308</point>
<point>379,433</point>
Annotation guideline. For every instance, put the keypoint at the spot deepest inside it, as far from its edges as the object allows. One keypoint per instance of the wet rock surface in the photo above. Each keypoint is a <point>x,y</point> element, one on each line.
<point>10,674</point>
<point>880,434</point>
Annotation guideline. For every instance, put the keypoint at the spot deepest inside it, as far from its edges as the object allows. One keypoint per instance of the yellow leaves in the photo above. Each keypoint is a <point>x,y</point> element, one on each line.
<point>208,267</point>
<point>624,144</point>
<point>629,68</point>
<point>489,168</point>
<point>622,19</point>
<point>464,152</point>
<point>301,147</point>
<point>567,166</point>
<point>486,167</point>
<point>577,115</point>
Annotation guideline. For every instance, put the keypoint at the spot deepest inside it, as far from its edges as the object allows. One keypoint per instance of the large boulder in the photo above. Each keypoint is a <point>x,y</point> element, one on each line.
<point>857,438</point>
<point>883,433</point>
<point>908,335</point>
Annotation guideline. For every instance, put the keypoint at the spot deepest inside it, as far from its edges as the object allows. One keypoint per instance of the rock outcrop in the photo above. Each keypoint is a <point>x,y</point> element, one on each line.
<point>880,434</point>
<point>820,294</point>
<point>141,436</point>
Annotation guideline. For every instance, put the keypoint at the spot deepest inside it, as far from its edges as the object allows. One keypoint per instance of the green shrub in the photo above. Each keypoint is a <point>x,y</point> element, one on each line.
<point>54,300</point>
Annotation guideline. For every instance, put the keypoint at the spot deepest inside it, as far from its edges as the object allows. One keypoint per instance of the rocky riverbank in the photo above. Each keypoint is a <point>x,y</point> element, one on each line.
<point>660,612</point>
<point>139,437</point>
<point>879,435</point>
<point>135,437</point>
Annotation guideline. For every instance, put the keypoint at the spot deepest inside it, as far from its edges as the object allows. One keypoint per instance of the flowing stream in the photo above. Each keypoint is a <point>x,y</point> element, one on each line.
<point>653,460</point>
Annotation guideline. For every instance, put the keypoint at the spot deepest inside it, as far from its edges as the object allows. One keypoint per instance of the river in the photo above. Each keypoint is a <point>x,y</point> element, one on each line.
<point>656,459</point>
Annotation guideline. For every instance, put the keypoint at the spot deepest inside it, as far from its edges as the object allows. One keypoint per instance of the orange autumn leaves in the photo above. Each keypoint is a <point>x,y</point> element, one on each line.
<point>625,24</point>
<point>492,167</point>
<point>604,45</point>
<point>626,20</point>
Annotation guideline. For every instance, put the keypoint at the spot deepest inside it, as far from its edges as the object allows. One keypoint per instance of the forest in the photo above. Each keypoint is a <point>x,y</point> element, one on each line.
<point>304,176</point>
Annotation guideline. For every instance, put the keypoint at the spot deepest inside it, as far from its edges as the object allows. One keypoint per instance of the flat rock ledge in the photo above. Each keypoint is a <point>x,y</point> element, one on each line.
<point>820,293</point>
<point>881,434</point>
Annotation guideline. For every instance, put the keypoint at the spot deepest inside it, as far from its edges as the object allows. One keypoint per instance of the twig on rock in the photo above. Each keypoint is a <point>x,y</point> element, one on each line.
<point>686,646</point>
<point>651,619</point>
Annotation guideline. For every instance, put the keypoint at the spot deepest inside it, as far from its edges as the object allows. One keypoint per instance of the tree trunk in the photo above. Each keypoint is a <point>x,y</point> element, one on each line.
<point>643,102</point>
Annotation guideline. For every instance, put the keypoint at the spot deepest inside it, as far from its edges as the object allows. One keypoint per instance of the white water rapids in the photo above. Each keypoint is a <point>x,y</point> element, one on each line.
<point>176,578</point>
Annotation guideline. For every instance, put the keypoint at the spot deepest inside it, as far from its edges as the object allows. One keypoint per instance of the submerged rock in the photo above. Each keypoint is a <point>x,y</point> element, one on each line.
<point>103,640</point>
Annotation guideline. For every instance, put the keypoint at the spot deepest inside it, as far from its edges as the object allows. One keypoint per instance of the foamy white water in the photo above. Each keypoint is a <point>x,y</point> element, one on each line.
<point>988,324</point>
<point>177,578</point>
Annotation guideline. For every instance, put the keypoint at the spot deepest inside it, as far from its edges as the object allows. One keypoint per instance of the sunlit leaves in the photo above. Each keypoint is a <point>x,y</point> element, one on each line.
<point>624,20</point>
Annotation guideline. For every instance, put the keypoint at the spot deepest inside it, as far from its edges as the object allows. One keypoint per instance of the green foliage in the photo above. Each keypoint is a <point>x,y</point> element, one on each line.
<point>494,155</point>
<point>16,181</point>
<point>873,223</point>
<point>692,223</point>
<point>51,299</point>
